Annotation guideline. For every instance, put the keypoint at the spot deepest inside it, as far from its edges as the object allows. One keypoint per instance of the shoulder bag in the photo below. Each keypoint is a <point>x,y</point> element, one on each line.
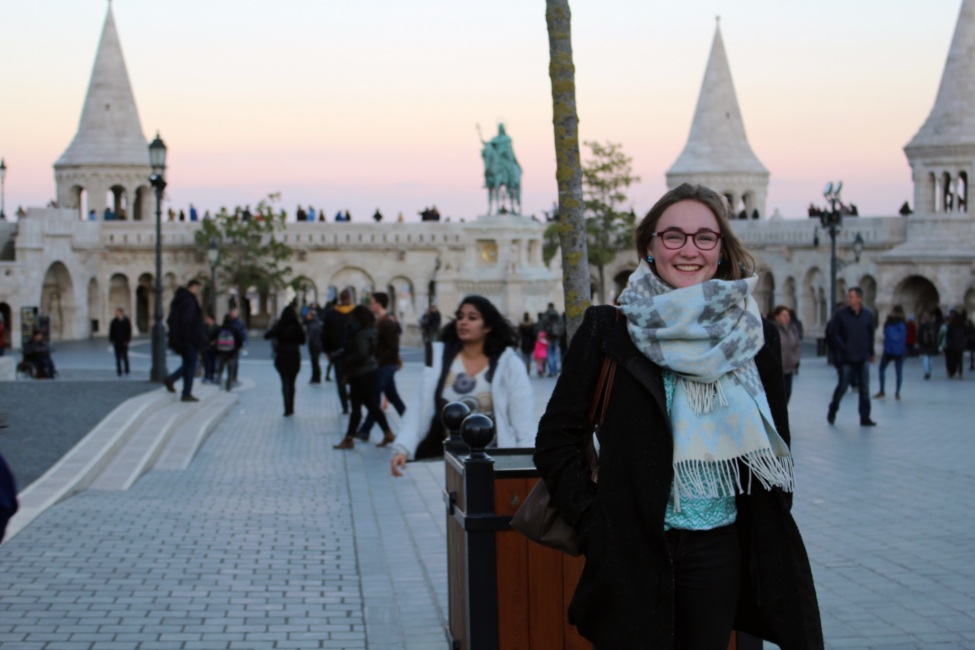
<point>538,519</point>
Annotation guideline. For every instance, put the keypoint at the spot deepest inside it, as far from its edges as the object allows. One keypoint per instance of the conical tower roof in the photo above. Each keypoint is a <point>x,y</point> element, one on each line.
<point>110,132</point>
<point>717,143</point>
<point>952,120</point>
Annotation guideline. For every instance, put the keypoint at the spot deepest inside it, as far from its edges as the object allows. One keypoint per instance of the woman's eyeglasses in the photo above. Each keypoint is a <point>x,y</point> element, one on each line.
<point>674,238</point>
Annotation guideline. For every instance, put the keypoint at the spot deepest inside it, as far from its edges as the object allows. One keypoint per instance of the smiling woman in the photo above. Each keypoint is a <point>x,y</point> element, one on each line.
<point>696,414</point>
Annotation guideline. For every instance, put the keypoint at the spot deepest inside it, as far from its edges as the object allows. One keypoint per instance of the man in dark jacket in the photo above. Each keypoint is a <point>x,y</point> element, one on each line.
<point>313,327</point>
<point>851,334</point>
<point>38,353</point>
<point>334,335</point>
<point>387,356</point>
<point>119,335</point>
<point>187,336</point>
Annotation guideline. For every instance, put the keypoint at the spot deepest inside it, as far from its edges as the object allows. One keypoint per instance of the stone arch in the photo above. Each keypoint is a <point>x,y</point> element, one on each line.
<point>935,192</point>
<point>946,194</point>
<point>841,289</point>
<point>917,295</point>
<point>117,198</point>
<point>119,294</point>
<point>868,284</point>
<point>813,310</point>
<point>620,281</point>
<point>765,292</point>
<point>58,301</point>
<point>306,291</point>
<point>962,192</point>
<point>356,280</point>
<point>788,294</point>
<point>78,199</point>
<point>969,302</point>
<point>144,303</point>
<point>401,299</point>
<point>95,314</point>
<point>169,287</point>
<point>142,194</point>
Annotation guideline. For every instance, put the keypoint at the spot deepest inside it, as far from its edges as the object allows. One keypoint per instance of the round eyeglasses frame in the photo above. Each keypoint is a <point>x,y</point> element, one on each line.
<point>695,237</point>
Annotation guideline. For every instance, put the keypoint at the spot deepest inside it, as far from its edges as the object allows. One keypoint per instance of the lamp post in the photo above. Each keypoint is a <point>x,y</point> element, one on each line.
<point>157,160</point>
<point>3,175</point>
<point>858,244</point>
<point>831,220</point>
<point>213,256</point>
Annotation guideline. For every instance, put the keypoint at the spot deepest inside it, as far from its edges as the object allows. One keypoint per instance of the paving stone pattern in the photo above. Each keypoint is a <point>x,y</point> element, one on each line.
<point>271,539</point>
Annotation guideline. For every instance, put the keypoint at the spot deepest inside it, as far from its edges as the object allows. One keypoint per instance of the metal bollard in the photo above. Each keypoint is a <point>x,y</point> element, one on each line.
<point>452,417</point>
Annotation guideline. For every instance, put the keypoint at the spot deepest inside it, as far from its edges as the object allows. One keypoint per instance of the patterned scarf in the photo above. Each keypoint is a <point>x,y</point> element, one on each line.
<point>708,335</point>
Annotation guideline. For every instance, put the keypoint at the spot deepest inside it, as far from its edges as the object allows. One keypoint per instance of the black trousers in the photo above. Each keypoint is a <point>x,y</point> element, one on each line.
<point>288,363</point>
<point>362,392</point>
<point>121,358</point>
<point>707,576</point>
<point>316,367</point>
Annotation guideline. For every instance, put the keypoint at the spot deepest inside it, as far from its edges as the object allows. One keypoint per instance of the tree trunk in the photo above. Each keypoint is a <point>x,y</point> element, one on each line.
<point>568,170</point>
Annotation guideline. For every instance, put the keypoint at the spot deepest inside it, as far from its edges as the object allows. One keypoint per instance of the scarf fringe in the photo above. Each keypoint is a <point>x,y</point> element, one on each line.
<point>718,479</point>
<point>701,396</point>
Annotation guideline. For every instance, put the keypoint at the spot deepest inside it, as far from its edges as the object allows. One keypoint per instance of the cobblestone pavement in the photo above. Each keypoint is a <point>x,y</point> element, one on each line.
<point>271,539</point>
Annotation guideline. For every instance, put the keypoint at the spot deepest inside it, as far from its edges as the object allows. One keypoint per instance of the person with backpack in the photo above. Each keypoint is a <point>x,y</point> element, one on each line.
<point>334,336</point>
<point>895,349</point>
<point>927,342</point>
<point>226,343</point>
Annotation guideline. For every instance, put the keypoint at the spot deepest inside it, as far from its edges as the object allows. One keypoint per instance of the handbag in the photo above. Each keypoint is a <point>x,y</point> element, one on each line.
<point>538,519</point>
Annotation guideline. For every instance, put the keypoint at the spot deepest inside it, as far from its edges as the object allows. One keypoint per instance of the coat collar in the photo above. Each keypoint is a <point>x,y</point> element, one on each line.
<point>618,345</point>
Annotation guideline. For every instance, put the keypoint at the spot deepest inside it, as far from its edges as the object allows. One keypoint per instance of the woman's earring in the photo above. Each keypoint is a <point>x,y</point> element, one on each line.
<point>720,260</point>
<point>649,259</point>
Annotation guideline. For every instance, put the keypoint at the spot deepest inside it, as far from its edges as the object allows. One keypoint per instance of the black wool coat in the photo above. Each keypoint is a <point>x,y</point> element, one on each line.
<point>625,597</point>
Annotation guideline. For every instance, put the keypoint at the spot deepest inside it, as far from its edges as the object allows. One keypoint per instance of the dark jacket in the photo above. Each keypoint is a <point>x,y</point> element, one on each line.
<point>314,329</point>
<point>360,352</point>
<point>36,351</point>
<point>120,331</point>
<point>851,335</point>
<point>387,344</point>
<point>288,336</point>
<point>625,597</point>
<point>334,328</point>
<point>185,322</point>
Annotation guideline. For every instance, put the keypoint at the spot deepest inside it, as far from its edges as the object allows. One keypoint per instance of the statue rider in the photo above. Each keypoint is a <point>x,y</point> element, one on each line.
<point>501,168</point>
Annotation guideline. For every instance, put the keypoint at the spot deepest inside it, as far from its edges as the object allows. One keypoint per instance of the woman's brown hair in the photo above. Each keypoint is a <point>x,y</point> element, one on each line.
<point>737,261</point>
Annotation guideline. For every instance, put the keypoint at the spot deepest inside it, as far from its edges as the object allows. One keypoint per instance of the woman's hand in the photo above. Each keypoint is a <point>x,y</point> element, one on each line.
<point>397,464</point>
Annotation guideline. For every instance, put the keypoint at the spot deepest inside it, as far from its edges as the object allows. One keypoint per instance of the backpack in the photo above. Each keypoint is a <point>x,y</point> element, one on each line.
<point>927,336</point>
<point>225,340</point>
<point>895,339</point>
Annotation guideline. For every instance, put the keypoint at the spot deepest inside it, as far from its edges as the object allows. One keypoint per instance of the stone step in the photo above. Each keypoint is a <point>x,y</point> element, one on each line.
<point>79,467</point>
<point>189,437</point>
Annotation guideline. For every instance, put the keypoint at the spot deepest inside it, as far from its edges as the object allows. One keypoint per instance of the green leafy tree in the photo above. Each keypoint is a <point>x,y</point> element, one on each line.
<point>606,175</point>
<point>568,171</point>
<point>251,253</point>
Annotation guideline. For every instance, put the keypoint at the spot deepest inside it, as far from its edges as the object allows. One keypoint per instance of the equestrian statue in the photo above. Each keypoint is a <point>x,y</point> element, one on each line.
<point>502,173</point>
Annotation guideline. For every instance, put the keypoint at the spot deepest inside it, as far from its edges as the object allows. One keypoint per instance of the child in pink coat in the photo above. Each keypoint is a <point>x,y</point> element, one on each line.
<point>541,353</point>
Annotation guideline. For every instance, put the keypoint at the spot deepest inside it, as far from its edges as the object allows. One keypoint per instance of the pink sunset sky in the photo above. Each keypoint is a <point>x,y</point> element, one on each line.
<point>359,105</point>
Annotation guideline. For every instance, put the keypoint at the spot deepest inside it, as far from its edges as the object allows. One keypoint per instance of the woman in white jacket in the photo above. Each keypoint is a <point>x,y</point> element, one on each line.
<point>476,363</point>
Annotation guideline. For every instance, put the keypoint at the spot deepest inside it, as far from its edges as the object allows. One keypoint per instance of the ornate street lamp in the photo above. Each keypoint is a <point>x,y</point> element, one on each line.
<point>157,160</point>
<point>213,256</point>
<point>3,175</point>
<point>858,244</point>
<point>831,221</point>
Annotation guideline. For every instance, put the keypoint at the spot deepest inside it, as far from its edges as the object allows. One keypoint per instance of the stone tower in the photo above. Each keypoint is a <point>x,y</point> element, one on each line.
<point>107,163</point>
<point>717,153</point>
<point>942,154</point>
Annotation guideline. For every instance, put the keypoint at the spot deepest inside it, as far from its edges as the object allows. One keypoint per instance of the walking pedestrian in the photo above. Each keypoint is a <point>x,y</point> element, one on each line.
<point>554,329</point>
<point>288,336</point>
<point>313,327</point>
<point>210,354</point>
<point>689,532</point>
<point>927,342</point>
<point>334,335</point>
<point>360,369</point>
<point>851,331</point>
<point>951,340</point>
<point>790,344</point>
<point>540,353</point>
<point>187,337</point>
<point>474,362</point>
<point>226,343</point>
<point>387,357</point>
<point>120,335</point>
<point>895,349</point>
<point>526,340</point>
<point>234,365</point>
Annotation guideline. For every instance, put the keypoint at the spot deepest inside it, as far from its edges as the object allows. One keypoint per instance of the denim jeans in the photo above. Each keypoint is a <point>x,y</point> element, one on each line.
<point>898,369</point>
<point>554,357</point>
<point>847,372</point>
<point>387,385</point>
<point>188,370</point>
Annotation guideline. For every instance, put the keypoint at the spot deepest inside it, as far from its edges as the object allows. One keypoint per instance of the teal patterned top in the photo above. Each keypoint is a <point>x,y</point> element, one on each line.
<point>696,513</point>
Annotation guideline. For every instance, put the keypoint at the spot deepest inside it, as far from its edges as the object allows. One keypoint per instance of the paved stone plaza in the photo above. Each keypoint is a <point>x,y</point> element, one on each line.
<point>271,539</point>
